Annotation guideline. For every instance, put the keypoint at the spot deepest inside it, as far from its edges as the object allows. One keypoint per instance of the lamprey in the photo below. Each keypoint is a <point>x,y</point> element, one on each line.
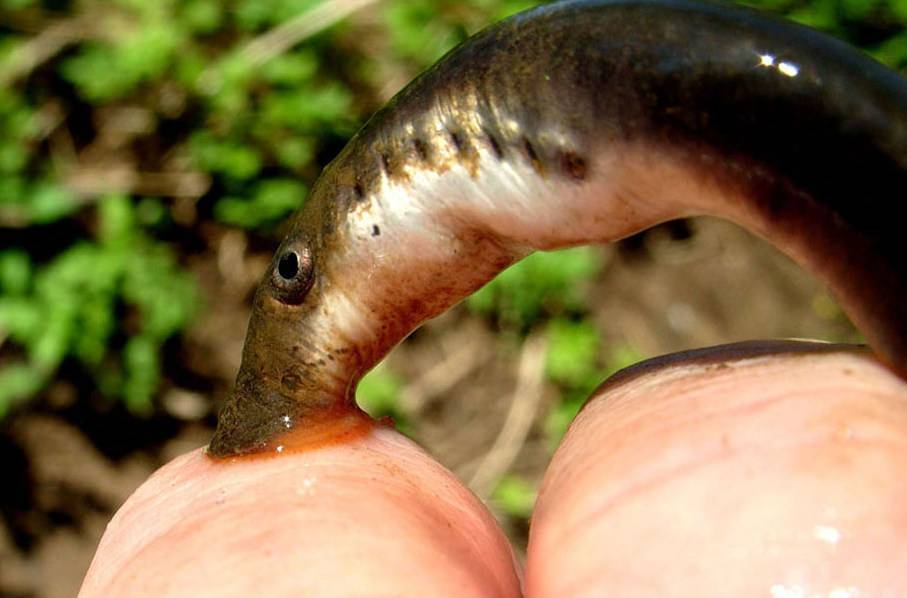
<point>578,122</point>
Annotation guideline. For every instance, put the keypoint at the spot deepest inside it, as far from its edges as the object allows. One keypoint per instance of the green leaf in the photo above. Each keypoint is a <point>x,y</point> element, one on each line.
<point>58,326</point>
<point>151,212</point>
<point>417,32</point>
<point>818,14</point>
<point>96,324</point>
<point>149,53</point>
<point>271,201</point>
<point>230,158</point>
<point>147,10</point>
<point>107,71</point>
<point>142,365</point>
<point>20,318</point>
<point>573,349</point>
<point>899,9</point>
<point>233,76</point>
<point>893,51</point>
<point>253,14</point>
<point>165,296</point>
<point>295,152</point>
<point>514,496</point>
<point>13,5</point>
<point>13,195</point>
<point>857,9</point>
<point>544,282</point>
<point>95,73</point>
<point>293,69</point>
<point>13,156</point>
<point>570,364</point>
<point>378,393</point>
<point>15,272</point>
<point>305,110</point>
<point>48,202</point>
<point>284,10</point>
<point>117,219</point>
<point>18,382</point>
<point>202,16</point>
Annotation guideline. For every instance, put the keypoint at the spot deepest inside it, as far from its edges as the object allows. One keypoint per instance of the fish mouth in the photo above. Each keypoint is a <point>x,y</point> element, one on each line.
<point>261,416</point>
<point>251,419</point>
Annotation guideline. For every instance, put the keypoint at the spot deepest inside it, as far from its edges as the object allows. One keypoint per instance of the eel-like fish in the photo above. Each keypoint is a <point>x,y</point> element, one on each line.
<point>578,122</point>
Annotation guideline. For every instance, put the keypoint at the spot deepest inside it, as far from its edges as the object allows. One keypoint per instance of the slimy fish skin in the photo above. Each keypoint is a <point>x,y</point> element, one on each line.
<point>578,122</point>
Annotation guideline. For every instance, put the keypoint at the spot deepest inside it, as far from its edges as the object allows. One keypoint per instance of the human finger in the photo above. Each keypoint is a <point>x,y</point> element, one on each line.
<point>770,470</point>
<point>371,516</point>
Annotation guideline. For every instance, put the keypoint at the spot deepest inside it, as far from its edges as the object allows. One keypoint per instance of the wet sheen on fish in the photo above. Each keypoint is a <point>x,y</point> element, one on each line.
<point>578,122</point>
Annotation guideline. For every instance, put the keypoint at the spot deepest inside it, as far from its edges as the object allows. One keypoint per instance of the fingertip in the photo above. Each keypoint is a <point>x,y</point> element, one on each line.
<point>376,515</point>
<point>741,474</point>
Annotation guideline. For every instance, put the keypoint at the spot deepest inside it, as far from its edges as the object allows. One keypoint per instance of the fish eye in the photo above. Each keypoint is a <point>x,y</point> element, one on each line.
<point>288,265</point>
<point>292,276</point>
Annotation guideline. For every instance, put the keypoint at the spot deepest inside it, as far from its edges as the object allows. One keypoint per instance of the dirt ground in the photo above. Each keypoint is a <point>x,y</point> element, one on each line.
<point>67,468</point>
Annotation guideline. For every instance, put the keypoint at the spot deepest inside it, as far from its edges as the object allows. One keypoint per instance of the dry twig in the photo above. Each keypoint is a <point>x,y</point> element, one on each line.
<point>527,397</point>
<point>88,182</point>
<point>278,40</point>
<point>29,55</point>
<point>462,355</point>
<point>283,37</point>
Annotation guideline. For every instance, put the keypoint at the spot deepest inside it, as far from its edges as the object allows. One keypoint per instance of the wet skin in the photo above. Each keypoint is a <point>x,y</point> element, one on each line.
<point>579,122</point>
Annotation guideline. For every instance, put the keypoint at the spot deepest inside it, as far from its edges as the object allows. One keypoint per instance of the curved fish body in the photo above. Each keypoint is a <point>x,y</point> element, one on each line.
<point>578,122</point>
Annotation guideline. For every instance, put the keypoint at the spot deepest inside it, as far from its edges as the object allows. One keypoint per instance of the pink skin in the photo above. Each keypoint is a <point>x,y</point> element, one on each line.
<point>779,475</point>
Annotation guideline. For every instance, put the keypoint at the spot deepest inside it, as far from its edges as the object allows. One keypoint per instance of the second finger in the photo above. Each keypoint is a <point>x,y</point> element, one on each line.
<point>745,475</point>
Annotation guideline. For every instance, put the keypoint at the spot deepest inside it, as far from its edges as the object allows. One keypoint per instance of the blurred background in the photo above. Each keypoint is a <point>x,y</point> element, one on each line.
<point>149,152</point>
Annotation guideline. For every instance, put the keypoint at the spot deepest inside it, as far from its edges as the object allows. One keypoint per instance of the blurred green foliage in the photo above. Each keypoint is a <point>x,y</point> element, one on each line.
<point>514,496</point>
<point>92,277</point>
<point>577,364</point>
<point>92,281</point>
<point>108,304</point>
<point>379,392</point>
<point>546,282</point>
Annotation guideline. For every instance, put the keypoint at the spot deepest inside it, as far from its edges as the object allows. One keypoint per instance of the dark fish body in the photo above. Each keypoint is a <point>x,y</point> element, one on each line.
<point>579,122</point>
